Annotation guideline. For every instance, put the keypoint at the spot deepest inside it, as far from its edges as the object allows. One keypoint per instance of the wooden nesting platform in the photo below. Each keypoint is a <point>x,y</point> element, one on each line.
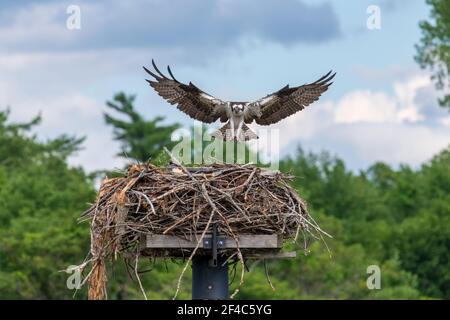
<point>263,246</point>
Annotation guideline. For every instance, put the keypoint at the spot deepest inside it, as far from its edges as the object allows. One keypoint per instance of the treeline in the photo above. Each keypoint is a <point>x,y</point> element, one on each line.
<point>396,219</point>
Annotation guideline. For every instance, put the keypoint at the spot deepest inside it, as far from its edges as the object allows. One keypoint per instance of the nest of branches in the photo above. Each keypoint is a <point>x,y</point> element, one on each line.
<point>187,202</point>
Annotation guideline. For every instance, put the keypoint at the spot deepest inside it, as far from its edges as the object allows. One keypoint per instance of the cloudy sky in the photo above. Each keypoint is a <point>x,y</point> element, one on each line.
<point>381,107</point>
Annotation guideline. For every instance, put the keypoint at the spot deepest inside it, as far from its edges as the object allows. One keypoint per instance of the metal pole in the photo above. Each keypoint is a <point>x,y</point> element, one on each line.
<point>209,282</point>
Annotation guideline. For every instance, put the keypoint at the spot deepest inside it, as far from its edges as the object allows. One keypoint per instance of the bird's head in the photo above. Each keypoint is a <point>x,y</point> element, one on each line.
<point>237,109</point>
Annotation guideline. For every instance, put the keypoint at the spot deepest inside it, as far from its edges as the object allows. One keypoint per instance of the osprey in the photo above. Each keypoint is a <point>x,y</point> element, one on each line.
<point>265,111</point>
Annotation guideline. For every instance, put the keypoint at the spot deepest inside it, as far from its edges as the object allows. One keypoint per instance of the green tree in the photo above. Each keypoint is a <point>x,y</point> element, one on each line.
<point>336,274</point>
<point>433,51</point>
<point>141,139</point>
<point>423,238</point>
<point>392,218</point>
<point>41,198</point>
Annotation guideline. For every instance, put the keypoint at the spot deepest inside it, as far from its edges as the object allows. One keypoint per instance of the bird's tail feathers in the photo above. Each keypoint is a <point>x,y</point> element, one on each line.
<point>225,133</point>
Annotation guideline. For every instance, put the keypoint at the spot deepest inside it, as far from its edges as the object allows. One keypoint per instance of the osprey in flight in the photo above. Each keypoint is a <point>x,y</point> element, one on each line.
<point>268,110</point>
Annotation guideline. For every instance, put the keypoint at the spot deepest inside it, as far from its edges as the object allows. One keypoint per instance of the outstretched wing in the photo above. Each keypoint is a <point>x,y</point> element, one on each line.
<point>286,101</point>
<point>188,98</point>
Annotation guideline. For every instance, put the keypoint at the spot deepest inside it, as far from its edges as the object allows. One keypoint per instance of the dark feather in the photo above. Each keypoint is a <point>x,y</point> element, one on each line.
<point>187,97</point>
<point>287,101</point>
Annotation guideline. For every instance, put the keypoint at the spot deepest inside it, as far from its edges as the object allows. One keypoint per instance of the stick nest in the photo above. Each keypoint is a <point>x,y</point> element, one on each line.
<point>187,202</point>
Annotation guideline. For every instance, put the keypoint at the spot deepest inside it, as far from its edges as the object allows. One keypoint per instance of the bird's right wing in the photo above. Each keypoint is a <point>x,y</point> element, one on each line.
<point>187,97</point>
<point>286,101</point>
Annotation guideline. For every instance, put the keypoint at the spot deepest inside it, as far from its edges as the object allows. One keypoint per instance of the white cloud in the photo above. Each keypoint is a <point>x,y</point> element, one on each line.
<point>368,126</point>
<point>56,85</point>
<point>405,96</point>
<point>365,106</point>
<point>445,121</point>
<point>73,114</point>
<point>69,89</point>
<point>198,26</point>
<point>392,143</point>
<point>36,23</point>
<point>376,107</point>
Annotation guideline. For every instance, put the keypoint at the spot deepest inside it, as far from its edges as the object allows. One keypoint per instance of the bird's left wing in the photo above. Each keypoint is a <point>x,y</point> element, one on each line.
<point>286,101</point>
<point>188,98</point>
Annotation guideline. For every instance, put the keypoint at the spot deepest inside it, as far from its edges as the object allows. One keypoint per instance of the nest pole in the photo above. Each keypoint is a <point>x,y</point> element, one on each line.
<point>209,282</point>
<point>210,273</point>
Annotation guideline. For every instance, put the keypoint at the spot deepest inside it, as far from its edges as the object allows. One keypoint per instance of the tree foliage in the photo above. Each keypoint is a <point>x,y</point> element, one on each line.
<point>141,139</point>
<point>433,51</point>
<point>40,200</point>
<point>397,219</point>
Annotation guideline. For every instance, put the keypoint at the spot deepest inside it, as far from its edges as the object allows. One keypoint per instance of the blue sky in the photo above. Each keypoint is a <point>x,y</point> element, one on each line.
<point>381,107</point>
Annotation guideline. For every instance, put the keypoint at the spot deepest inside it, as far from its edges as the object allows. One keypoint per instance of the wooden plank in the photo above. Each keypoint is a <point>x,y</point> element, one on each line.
<point>271,255</point>
<point>165,241</point>
<point>261,241</point>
